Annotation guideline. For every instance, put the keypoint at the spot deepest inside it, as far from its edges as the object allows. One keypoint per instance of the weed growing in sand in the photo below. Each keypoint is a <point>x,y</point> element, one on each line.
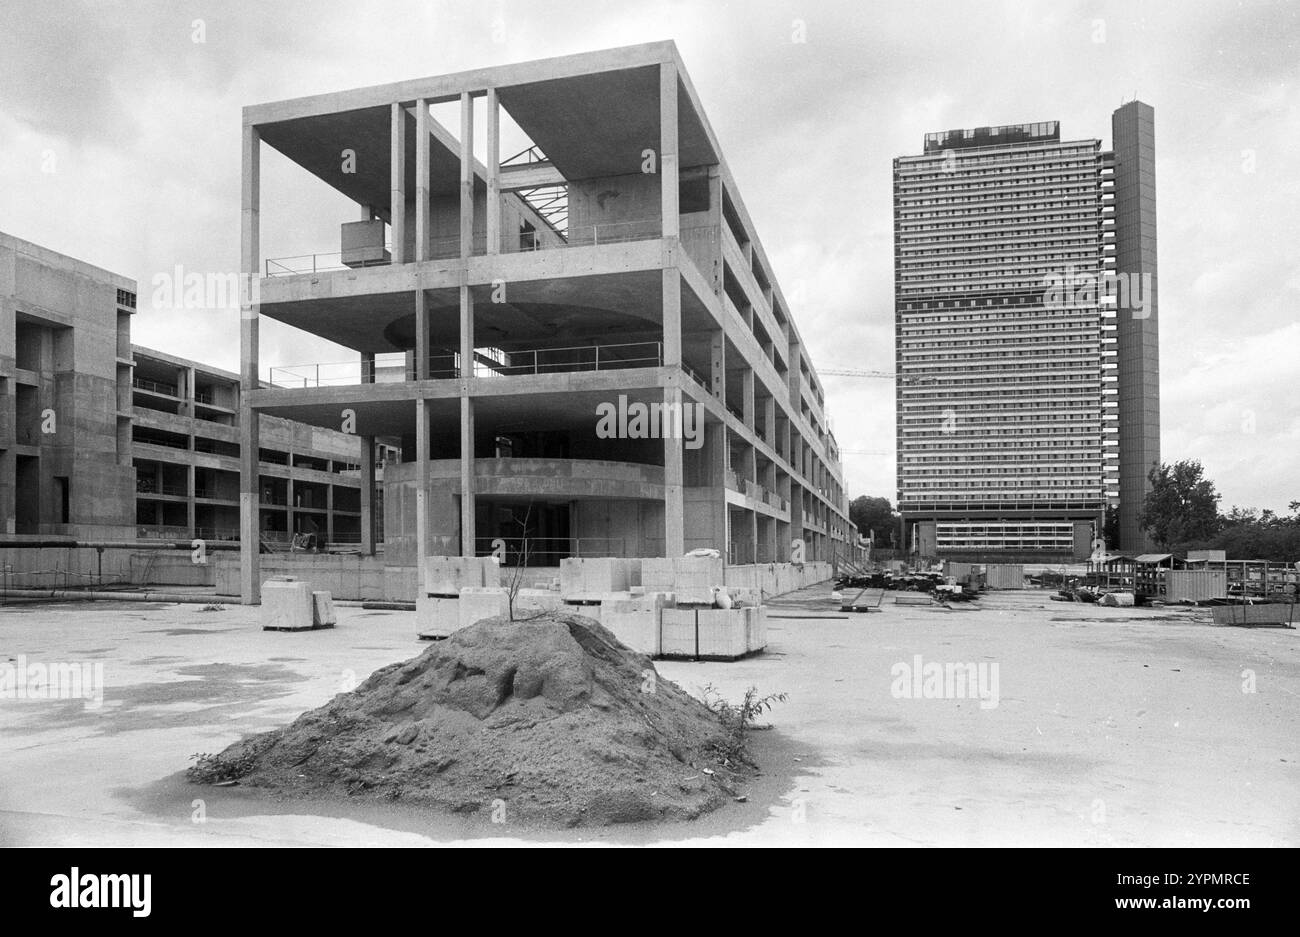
<point>213,607</point>
<point>211,769</point>
<point>732,748</point>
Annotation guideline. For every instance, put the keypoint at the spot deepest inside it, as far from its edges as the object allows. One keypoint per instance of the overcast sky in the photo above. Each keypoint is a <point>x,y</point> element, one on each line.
<point>119,145</point>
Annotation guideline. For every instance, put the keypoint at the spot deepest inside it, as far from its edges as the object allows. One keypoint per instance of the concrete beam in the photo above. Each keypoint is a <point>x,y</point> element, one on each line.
<point>529,176</point>
<point>397,172</point>
<point>443,88</point>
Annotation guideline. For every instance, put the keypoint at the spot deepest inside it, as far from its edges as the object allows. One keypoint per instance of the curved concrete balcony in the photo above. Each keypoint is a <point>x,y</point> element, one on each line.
<point>543,479</point>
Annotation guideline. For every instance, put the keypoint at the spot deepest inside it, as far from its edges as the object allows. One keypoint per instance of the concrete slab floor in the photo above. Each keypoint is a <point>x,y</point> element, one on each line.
<point>1120,727</point>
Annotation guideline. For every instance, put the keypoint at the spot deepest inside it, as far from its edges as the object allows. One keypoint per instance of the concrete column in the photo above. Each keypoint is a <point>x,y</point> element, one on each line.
<point>718,363</point>
<point>466,337</point>
<point>189,501</point>
<point>769,421</point>
<point>672,313</point>
<point>747,397</point>
<point>250,585</point>
<point>674,496</point>
<point>329,513</point>
<point>368,495</point>
<point>466,174</point>
<point>467,497</point>
<point>493,172</point>
<point>668,148</point>
<point>421,180</point>
<point>422,490</point>
<point>421,333</point>
<point>397,173</point>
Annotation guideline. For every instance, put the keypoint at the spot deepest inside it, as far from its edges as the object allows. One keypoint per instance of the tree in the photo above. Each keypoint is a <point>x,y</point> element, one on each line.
<point>1182,504</point>
<point>1110,526</point>
<point>874,516</point>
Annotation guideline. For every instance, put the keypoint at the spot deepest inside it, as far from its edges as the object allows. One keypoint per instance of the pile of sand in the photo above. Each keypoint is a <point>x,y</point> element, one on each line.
<point>551,720</point>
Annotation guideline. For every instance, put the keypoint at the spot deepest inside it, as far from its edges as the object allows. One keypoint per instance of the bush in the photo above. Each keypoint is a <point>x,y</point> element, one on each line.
<point>732,748</point>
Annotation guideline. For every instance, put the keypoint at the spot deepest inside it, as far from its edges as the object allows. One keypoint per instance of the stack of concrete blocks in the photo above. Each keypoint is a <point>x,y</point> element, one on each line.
<point>533,601</point>
<point>438,608</point>
<point>287,604</point>
<point>691,578</point>
<point>479,602</point>
<point>724,634</point>
<point>636,618</point>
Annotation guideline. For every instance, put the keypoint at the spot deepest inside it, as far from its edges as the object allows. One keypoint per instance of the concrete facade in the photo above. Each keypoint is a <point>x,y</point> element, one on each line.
<point>65,452</point>
<point>524,324</point>
<point>185,449</point>
<point>1026,338</point>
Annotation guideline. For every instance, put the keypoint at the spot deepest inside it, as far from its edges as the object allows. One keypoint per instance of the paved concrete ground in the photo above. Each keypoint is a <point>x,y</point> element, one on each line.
<point>1112,727</point>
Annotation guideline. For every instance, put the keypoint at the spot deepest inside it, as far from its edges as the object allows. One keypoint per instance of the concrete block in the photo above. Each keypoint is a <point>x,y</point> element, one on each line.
<point>447,575</point>
<point>322,605</point>
<point>286,605</point>
<point>401,583</point>
<point>692,578</point>
<point>755,628</point>
<point>594,576</point>
<point>436,616</point>
<point>538,600</point>
<point>635,620</point>
<point>722,632</point>
<point>479,602</point>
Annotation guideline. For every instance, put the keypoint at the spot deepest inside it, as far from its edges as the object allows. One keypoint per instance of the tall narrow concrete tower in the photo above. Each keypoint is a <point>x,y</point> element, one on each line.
<point>1137,329</point>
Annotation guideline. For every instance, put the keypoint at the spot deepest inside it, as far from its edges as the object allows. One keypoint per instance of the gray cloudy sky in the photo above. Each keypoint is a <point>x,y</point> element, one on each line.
<point>119,144</point>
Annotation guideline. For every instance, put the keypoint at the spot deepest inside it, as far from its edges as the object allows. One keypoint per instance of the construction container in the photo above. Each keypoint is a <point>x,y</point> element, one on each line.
<point>1004,576</point>
<point>1195,585</point>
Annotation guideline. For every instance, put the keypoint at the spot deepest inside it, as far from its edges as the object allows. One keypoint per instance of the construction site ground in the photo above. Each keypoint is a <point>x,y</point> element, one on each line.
<point>1113,726</point>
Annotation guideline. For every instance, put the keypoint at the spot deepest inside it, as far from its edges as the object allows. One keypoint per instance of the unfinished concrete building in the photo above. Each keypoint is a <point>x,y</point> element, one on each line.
<point>523,322</point>
<point>185,449</point>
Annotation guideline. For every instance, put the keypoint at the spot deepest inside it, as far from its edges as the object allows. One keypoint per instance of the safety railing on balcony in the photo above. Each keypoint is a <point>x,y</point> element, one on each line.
<point>147,486</point>
<point>157,387</point>
<point>216,533</point>
<point>572,358</point>
<point>613,232</point>
<point>547,551</point>
<point>489,362</point>
<point>161,532</point>
<point>753,490</point>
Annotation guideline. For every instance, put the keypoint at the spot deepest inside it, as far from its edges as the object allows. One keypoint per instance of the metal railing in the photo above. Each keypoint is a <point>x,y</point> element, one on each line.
<point>145,486</point>
<point>548,551</point>
<point>216,533</point>
<point>487,363</point>
<point>156,387</point>
<point>161,532</point>
<point>613,232</point>
<point>574,358</point>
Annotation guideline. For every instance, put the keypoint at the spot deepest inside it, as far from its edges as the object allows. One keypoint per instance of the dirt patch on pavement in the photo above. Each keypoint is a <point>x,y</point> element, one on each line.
<point>550,720</point>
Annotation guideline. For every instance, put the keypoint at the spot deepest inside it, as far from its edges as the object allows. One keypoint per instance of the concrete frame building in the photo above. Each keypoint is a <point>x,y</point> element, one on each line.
<point>495,307</point>
<point>1025,338</point>
<point>185,449</point>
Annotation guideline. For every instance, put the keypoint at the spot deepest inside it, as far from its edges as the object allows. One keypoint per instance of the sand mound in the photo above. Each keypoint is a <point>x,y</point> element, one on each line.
<point>547,720</point>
